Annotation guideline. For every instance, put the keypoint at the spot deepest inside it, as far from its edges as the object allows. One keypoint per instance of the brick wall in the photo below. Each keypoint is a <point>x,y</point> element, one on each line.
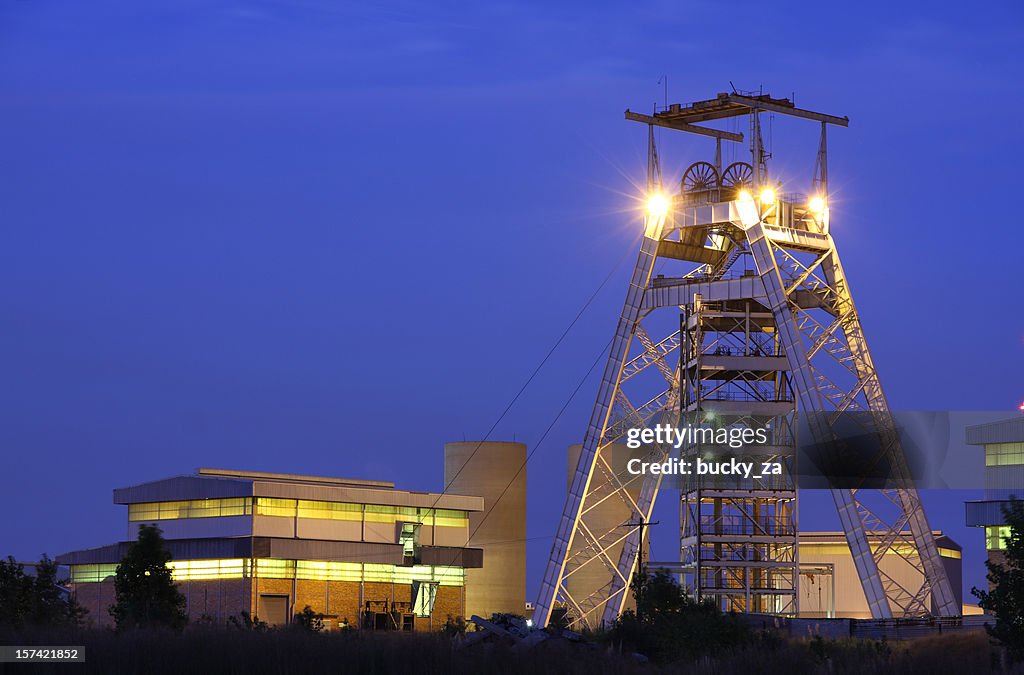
<point>97,598</point>
<point>220,599</point>
<point>343,600</point>
<point>450,601</point>
<point>216,599</point>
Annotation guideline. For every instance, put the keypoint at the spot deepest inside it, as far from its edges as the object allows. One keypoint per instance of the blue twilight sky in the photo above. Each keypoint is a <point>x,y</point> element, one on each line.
<point>327,237</point>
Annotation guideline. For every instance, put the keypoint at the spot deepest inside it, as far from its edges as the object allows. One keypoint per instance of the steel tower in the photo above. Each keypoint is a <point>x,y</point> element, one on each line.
<point>738,539</point>
<point>757,319</point>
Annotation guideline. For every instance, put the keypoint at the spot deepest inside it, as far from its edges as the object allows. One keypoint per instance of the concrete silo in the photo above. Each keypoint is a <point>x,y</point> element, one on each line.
<point>488,469</point>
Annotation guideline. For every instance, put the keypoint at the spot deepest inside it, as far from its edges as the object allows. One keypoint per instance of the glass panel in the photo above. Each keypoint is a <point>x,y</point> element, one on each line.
<point>83,574</point>
<point>425,594</point>
<point>374,572</point>
<point>196,508</point>
<point>1004,454</point>
<point>377,513</point>
<point>268,506</point>
<point>450,518</point>
<point>329,571</point>
<point>330,510</point>
<point>270,568</point>
<point>450,576</point>
<point>995,537</point>
<point>201,570</point>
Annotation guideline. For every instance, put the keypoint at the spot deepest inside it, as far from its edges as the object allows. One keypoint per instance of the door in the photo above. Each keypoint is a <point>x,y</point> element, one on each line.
<point>273,609</point>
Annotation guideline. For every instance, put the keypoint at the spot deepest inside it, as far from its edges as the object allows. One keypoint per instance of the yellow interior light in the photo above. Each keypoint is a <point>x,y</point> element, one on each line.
<point>816,205</point>
<point>657,205</point>
<point>767,197</point>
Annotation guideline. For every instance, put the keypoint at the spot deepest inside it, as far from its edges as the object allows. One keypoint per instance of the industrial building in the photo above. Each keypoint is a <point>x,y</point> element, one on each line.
<point>829,585</point>
<point>1003,442</point>
<point>359,552</point>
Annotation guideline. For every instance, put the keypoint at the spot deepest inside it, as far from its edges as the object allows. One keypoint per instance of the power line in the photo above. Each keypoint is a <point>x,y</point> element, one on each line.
<point>536,370</point>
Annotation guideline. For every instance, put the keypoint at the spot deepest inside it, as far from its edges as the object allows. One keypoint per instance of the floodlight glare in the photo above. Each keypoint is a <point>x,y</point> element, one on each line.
<point>657,205</point>
<point>767,197</point>
<point>747,209</point>
<point>816,205</point>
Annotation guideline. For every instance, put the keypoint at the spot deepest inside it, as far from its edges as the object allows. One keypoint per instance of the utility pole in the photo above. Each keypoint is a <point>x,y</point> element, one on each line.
<point>641,525</point>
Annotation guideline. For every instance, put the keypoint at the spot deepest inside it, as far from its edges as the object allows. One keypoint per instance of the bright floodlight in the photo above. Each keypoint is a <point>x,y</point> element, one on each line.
<point>657,205</point>
<point>817,205</point>
<point>767,197</point>
<point>747,209</point>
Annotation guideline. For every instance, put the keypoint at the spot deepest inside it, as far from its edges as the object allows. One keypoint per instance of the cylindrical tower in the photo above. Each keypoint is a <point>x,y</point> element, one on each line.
<point>489,470</point>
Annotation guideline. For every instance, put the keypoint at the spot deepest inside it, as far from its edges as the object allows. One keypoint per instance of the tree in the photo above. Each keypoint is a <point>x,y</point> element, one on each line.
<point>669,625</point>
<point>146,594</point>
<point>1006,599</point>
<point>51,604</point>
<point>14,593</point>
<point>656,594</point>
<point>36,600</point>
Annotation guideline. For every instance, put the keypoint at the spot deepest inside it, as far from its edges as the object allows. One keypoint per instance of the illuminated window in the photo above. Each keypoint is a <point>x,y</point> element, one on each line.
<point>379,513</point>
<point>330,510</point>
<point>194,508</point>
<point>445,576</point>
<point>329,571</point>
<point>996,536</point>
<point>1004,454</point>
<point>409,513</point>
<point>450,518</point>
<point>270,568</point>
<point>375,572</point>
<point>202,570</point>
<point>84,574</point>
<point>905,550</point>
<point>424,594</point>
<point>269,506</point>
<point>449,576</point>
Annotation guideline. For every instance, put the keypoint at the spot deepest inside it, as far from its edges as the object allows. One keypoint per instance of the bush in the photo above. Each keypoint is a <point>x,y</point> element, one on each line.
<point>245,621</point>
<point>668,625</point>
<point>454,626</point>
<point>309,620</point>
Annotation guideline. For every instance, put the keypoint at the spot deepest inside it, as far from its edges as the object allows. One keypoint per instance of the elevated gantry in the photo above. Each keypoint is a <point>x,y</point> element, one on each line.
<point>757,322</point>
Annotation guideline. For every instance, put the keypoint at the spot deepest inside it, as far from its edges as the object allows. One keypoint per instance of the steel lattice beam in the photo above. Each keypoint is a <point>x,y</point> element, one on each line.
<point>800,282</point>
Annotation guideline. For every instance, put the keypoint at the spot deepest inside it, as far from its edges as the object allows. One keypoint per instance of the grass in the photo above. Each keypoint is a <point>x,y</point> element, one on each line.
<point>214,650</point>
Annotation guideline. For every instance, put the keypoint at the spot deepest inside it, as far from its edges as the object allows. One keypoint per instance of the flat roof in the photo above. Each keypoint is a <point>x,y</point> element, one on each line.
<point>1003,431</point>
<point>294,478</point>
<point>227,483</point>
<point>812,538</point>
